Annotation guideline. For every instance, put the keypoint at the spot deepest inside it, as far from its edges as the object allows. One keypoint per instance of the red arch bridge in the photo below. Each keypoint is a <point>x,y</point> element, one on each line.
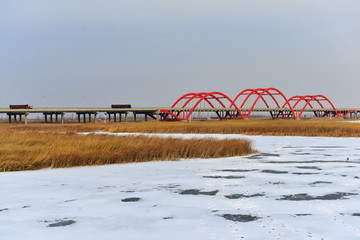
<point>247,103</point>
<point>251,102</point>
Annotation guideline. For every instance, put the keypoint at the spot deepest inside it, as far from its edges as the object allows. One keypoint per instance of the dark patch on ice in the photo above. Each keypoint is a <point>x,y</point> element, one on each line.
<point>171,186</point>
<point>254,157</point>
<point>71,200</point>
<point>128,191</point>
<point>106,187</point>
<point>350,166</point>
<point>327,147</point>
<point>238,170</point>
<point>357,177</point>
<point>167,218</point>
<point>302,214</point>
<point>306,197</point>
<point>320,182</point>
<point>167,187</point>
<point>356,214</point>
<point>198,192</point>
<point>62,223</point>
<point>270,154</point>
<point>300,153</point>
<point>225,177</point>
<point>239,217</point>
<point>25,206</point>
<point>312,161</point>
<point>4,209</point>
<point>45,221</point>
<point>214,210</point>
<point>327,155</point>
<point>308,167</point>
<point>276,183</point>
<point>304,173</point>
<point>274,171</point>
<point>237,196</point>
<point>132,199</point>
<point>261,155</point>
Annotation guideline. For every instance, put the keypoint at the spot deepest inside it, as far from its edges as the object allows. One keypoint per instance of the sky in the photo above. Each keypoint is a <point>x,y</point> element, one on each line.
<point>92,53</point>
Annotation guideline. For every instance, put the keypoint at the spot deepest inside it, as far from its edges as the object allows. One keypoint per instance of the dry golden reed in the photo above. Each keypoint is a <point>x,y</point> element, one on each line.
<point>31,150</point>
<point>325,128</point>
<point>36,146</point>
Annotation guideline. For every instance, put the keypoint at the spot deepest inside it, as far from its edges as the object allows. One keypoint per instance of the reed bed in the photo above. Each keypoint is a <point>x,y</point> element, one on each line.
<point>36,146</point>
<point>30,150</point>
<point>325,128</point>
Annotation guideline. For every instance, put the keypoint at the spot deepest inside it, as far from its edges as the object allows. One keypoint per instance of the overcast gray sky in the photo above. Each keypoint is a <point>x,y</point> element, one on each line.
<point>149,52</point>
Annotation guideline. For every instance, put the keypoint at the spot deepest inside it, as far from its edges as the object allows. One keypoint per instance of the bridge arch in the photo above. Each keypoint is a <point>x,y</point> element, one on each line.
<point>247,101</point>
<point>190,102</point>
<point>272,98</point>
<point>317,103</point>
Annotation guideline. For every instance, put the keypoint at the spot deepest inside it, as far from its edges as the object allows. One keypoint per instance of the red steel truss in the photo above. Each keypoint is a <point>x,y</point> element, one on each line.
<point>183,107</point>
<point>270,97</point>
<point>249,100</point>
<point>317,103</point>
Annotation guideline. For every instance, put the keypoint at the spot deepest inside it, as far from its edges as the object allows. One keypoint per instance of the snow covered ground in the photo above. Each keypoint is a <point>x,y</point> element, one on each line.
<point>296,188</point>
<point>354,121</point>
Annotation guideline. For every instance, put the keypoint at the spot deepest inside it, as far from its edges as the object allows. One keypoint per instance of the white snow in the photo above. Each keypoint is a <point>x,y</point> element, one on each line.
<point>354,121</point>
<point>89,199</point>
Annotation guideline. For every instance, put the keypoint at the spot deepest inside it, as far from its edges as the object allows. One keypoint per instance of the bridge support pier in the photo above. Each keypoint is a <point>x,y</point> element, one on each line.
<point>353,115</point>
<point>114,116</point>
<point>14,116</point>
<point>152,115</point>
<point>49,117</point>
<point>84,116</point>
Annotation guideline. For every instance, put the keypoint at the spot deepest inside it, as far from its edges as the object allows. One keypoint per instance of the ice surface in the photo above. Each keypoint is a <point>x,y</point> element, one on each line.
<point>354,121</point>
<point>295,188</point>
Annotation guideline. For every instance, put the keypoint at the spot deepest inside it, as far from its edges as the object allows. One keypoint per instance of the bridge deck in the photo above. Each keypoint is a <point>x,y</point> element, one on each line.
<point>114,114</point>
<point>155,110</point>
<point>73,110</point>
<point>260,109</point>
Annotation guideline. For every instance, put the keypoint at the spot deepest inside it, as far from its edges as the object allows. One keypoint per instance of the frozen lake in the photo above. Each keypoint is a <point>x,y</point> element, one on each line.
<point>295,188</point>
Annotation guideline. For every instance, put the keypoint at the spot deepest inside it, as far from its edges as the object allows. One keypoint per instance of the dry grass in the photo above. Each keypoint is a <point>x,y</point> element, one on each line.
<point>35,146</point>
<point>324,128</point>
<point>30,150</point>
